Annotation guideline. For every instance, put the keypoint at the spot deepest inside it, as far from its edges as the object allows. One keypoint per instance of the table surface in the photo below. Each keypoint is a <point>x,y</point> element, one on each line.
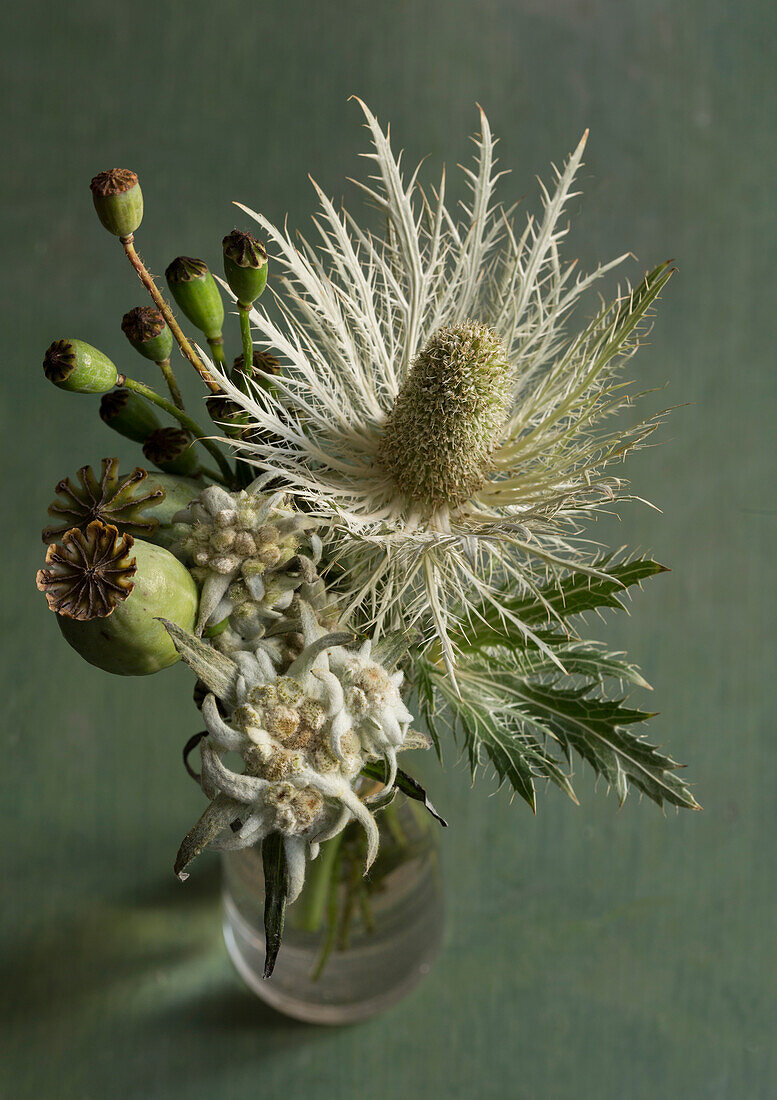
<point>590,952</point>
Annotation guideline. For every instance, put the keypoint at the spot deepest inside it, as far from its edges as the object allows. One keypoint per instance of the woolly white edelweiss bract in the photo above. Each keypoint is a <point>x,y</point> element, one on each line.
<point>433,408</point>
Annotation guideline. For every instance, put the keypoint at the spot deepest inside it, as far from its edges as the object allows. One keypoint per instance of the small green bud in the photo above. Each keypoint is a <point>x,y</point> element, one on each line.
<point>118,201</point>
<point>129,415</point>
<point>171,450</point>
<point>196,293</point>
<point>245,266</point>
<point>109,591</point>
<point>78,367</point>
<point>147,331</point>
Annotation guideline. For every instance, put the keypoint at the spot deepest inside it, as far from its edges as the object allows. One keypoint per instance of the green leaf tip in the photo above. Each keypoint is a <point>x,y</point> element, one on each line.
<point>276,891</point>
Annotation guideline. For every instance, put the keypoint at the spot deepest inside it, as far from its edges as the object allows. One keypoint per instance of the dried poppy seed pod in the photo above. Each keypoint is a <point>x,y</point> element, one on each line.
<point>245,266</point>
<point>171,450</point>
<point>118,201</point>
<point>195,292</point>
<point>112,499</point>
<point>90,573</point>
<point>147,331</point>
<point>109,593</point>
<point>78,367</point>
<point>129,415</point>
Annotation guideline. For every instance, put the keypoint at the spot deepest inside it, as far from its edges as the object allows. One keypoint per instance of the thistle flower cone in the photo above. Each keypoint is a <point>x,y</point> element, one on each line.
<point>438,437</point>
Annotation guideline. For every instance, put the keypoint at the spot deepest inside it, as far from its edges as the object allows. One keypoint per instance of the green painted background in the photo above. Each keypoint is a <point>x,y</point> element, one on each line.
<point>590,952</point>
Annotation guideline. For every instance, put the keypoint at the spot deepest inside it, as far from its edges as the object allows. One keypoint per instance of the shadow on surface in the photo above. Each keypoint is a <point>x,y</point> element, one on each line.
<point>162,947</point>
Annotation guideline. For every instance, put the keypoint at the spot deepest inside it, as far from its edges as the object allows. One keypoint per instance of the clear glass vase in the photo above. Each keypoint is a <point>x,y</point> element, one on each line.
<point>352,945</point>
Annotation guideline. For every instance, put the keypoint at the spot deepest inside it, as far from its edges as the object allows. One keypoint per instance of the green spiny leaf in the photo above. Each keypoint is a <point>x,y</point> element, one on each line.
<point>488,725</point>
<point>586,659</point>
<point>594,727</point>
<point>560,599</point>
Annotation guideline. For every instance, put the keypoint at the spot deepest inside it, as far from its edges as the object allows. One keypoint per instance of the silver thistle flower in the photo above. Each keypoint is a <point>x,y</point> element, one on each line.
<point>441,501</point>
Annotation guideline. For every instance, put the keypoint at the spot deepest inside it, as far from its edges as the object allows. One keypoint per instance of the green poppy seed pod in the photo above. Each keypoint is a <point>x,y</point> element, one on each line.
<point>262,371</point>
<point>118,201</point>
<point>147,331</point>
<point>171,450</point>
<point>78,367</point>
<point>130,585</point>
<point>245,266</point>
<point>226,414</point>
<point>129,415</point>
<point>179,492</point>
<point>196,294</point>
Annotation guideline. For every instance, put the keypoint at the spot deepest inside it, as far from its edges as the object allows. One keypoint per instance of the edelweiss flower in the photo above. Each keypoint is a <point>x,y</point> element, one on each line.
<point>303,736</point>
<point>433,409</point>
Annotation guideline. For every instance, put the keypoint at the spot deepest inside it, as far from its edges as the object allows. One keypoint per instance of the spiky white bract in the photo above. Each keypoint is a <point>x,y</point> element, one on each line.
<point>355,313</point>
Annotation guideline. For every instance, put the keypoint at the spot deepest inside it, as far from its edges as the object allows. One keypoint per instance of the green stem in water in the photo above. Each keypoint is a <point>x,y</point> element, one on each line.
<point>351,893</point>
<point>331,934</point>
<point>172,385</point>
<point>168,314</point>
<point>368,916</point>
<point>184,420</point>
<point>394,827</point>
<point>308,910</point>
<point>245,335</point>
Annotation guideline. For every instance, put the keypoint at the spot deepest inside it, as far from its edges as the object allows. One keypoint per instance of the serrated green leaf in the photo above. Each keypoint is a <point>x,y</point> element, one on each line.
<point>488,727</point>
<point>422,679</point>
<point>584,659</point>
<point>594,727</point>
